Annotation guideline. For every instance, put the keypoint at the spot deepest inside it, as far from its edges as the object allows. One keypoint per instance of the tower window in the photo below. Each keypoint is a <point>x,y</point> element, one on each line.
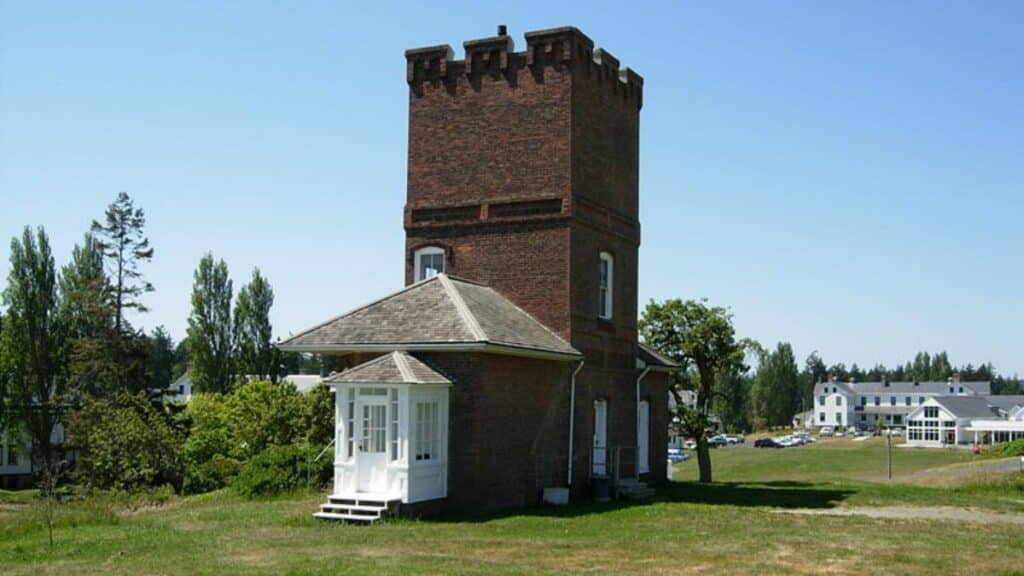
<point>429,262</point>
<point>607,277</point>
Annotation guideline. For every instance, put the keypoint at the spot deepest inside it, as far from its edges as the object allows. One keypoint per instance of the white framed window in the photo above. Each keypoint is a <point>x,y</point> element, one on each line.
<point>426,430</point>
<point>429,262</point>
<point>607,271</point>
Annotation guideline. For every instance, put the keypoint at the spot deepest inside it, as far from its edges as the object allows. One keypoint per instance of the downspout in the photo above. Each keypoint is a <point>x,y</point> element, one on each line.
<point>572,415</point>
<point>637,457</point>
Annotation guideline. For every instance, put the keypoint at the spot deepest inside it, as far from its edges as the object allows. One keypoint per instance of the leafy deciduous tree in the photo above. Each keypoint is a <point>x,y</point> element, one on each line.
<point>702,338</point>
<point>255,353</point>
<point>209,327</point>
<point>33,344</point>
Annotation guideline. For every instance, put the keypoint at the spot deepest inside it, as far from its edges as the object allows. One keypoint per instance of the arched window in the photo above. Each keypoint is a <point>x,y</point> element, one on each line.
<point>429,262</point>
<point>607,281</point>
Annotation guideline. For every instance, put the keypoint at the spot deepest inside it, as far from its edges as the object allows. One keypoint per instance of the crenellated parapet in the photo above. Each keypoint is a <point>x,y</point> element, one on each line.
<point>564,48</point>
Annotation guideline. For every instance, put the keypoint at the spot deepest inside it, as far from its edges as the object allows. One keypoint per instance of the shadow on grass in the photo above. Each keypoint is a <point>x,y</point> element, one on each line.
<point>780,494</point>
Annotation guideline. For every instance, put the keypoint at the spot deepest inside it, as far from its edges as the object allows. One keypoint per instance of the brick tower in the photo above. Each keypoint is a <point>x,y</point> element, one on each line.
<point>523,174</point>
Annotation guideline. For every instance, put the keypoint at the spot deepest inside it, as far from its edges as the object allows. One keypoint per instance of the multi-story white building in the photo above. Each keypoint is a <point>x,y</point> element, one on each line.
<point>868,405</point>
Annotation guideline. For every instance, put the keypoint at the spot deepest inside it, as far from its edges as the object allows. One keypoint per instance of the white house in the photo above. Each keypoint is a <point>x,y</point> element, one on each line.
<point>948,421</point>
<point>16,457</point>
<point>867,404</point>
<point>181,389</point>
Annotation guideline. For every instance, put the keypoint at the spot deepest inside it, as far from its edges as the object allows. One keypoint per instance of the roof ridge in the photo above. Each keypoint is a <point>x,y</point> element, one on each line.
<point>462,309</point>
<point>364,306</point>
<point>403,367</point>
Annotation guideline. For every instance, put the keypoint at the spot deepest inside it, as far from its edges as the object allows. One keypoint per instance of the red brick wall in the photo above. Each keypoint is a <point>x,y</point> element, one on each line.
<point>507,429</point>
<point>547,123</point>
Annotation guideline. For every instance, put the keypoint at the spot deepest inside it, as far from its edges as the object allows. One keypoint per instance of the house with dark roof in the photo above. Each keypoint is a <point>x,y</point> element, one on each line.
<point>962,421</point>
<point>508,370</point>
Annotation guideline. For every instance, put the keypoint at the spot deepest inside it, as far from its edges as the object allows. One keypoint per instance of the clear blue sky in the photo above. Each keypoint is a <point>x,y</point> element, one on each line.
<point>846,176</point>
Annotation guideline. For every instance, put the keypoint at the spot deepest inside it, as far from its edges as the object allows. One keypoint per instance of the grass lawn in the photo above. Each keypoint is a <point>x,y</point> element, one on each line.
<point>730,527</point>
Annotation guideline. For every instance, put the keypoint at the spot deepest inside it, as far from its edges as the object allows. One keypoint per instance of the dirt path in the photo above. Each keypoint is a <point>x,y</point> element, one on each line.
<point>941,513</point>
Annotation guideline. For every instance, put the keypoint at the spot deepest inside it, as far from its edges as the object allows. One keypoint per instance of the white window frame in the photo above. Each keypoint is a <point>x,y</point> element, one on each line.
<point>428,251</point>
<point>606,287</point>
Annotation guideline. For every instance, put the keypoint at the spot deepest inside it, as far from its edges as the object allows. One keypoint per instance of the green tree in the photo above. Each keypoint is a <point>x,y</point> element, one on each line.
<point>209,327</point>
<point>255,353</point>
<point>33,344</point>
<point>702,339</point>
<point>160,358</point>
<point>86,306</point>
<point>125,247</point>
<point>125,443</point>
<point>777,390</point>
<point>814,371</point>
<point>732,403</point>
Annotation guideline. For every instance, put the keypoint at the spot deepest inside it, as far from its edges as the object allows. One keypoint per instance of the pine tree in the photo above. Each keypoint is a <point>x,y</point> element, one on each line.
<point>93,343</point>
<point>125,247</point>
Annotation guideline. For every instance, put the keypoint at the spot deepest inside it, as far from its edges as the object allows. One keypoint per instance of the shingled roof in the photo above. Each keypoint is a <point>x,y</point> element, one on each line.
<point>393,368</point>
<point>441,313</point>
<point>654,359</point>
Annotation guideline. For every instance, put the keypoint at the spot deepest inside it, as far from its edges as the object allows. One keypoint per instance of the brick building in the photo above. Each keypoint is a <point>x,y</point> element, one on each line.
<point>509,365</point>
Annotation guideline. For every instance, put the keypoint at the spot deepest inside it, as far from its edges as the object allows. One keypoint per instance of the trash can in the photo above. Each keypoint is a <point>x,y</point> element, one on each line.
<point>601,487</point>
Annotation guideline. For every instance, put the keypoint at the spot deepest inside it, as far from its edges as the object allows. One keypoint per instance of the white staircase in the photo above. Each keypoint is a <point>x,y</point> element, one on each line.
<point>356,510</point>
<point>633,489</point>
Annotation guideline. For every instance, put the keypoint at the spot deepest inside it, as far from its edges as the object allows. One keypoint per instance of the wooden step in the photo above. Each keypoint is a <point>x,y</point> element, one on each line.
<point>378,510</point>
<point>346,517</point>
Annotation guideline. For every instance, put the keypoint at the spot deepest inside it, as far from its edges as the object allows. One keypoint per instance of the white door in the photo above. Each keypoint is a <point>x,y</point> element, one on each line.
<point>372,444</point>
<point>600,467</point>
<point>643,437</point>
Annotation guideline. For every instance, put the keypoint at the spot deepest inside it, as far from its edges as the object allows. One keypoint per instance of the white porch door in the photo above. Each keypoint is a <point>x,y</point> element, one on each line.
<point>643,437</point>
<point>372,446</point>
<point>600,466</point>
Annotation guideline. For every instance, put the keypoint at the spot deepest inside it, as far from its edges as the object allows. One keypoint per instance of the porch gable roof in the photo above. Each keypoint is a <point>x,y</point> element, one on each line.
<point>393,368</point>
<point>435,314</point>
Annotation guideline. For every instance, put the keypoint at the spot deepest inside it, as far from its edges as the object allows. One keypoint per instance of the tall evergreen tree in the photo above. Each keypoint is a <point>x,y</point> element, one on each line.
<point>86,306</point>
<point>255,353</point>
<point>32,344</point>
<point>209,327</point>
<point>125,247</point>
<point>160,358</point>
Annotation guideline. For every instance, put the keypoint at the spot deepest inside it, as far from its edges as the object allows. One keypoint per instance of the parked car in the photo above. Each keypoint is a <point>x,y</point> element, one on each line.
<point>765,443</point>
<point>734,438</point>
<point>825,431</point>
<point>676,455</point>
<point>718,441</point>
<point>690,444</point>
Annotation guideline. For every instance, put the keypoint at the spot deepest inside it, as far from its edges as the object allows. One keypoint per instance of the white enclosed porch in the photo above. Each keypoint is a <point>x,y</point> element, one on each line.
<point>391,423</point>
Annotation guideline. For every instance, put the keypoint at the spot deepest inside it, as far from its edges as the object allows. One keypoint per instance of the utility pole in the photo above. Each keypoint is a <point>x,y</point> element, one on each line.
<point>888,451</point>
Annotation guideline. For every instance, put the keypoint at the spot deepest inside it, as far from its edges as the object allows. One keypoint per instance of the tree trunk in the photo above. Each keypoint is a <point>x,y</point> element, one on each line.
<point>703,458</point>
<point>707,383</point>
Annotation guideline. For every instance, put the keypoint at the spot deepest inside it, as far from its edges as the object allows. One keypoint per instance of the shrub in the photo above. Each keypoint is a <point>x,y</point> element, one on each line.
<point>125,443</point>
<point>263,414</point>
<point>319,425</point>
<point>228,430</point>
<point>1007,449</point>
<point>279,469</point>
